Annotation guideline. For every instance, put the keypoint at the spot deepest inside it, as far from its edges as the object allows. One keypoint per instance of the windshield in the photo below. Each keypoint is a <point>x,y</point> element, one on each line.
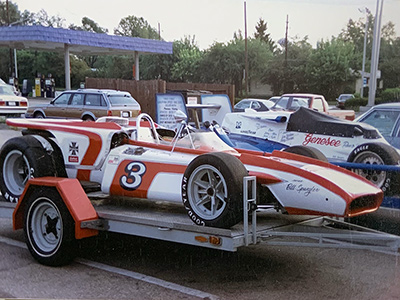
<point>292,102</point>
<point>204,140</point>
<point>6,90</point>
<point>116,100</point>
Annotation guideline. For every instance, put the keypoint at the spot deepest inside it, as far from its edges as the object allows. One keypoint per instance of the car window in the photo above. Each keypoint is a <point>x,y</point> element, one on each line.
<point>243,105</point>
<point>255,105</point>
<point>62,99</point>
<point>121,100</point>
<point>298,102</point>
<point>317,104</point>
<point>93,100</point>
<point>282,103</point>
<point>383,120</point>
<point>6,90</point>
<point>77,99</point>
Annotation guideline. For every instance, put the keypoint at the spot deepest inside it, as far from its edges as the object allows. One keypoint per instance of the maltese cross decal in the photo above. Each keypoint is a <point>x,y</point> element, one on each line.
<point>73,148</point>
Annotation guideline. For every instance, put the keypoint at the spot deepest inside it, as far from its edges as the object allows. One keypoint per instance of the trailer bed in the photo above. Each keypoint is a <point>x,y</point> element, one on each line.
<point>169,222</point>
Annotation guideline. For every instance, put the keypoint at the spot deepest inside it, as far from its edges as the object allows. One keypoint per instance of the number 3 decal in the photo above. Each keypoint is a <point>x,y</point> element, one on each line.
<point>133,178</point>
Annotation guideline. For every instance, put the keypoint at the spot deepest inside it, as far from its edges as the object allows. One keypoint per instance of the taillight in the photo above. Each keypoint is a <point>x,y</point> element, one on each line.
<point>2,103</point>
<point>23,103</point>
<point>109,113</point>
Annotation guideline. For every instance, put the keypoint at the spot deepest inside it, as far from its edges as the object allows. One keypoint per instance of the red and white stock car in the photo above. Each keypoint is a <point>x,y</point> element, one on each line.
<point>138,160</point>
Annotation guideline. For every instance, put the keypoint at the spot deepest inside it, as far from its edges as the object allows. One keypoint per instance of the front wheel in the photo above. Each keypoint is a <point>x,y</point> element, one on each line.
<point>377,154</point>
<point>307,152</point>
<point>212,190</point>
<point>49,229</point>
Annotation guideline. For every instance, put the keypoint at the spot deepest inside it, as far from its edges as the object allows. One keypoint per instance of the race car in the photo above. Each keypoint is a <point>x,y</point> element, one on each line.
<point>196,168</point>
<point>339,140</point>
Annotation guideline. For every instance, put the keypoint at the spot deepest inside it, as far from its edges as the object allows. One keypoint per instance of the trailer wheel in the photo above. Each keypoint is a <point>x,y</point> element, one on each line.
<point>49,228</point>
<point>377,154</point>
<point>212,190</point>
<point>21,159</point>
<point>307,151</point>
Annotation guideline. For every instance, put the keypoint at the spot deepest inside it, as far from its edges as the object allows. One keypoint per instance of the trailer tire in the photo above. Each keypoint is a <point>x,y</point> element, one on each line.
<point>307,152</point>
<point>214,178</point>
<point>22,158</point>
<point>49,228</point>
<point>381,154</point>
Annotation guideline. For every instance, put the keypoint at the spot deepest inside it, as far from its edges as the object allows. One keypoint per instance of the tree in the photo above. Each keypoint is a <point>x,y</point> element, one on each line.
<point>287,74</point>
<point>261,34</point>
<point>91,26</point>
<point>329,67</point>
<point>42,18</point>
<point>136,27</point>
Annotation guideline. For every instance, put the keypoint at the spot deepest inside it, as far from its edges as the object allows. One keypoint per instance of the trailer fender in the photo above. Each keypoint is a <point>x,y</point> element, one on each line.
<point>73,195</point>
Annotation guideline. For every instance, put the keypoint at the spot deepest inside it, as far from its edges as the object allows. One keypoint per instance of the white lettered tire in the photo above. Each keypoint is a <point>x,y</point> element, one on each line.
<point>212,190</point>
<point>379,154</point>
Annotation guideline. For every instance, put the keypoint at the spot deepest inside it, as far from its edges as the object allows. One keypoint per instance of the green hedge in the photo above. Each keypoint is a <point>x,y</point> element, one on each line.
<point>386,96</point>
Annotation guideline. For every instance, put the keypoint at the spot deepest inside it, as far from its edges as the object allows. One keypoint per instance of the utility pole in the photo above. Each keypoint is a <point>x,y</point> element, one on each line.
<point>367,12</point>
<point>246,63</point>
<point>286,39</point>
<point>375,53</point>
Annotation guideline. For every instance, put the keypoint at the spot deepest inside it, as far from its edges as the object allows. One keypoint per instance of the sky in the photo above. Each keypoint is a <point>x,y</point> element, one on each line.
<point>212,21</point>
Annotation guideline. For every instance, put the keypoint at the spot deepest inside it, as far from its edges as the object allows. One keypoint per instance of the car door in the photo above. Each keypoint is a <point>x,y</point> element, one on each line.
<point>57,108</point>
<point>95,104</point>
<point>75,106</point>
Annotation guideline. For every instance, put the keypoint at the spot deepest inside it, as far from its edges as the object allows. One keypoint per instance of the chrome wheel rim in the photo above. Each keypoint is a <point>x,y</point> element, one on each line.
<point>16,172</point>
<point>207,191</point>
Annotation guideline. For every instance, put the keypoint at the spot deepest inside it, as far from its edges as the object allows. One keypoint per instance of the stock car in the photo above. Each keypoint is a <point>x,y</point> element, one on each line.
<point>339,140</point>
<point>138,159</point>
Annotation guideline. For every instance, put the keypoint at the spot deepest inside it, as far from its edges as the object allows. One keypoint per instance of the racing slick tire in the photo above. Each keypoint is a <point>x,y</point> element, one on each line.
<point>22,158</point>
<point>307,151</point>
<point>380,154</point>
<point>212,190</point>
<point>49,228</point>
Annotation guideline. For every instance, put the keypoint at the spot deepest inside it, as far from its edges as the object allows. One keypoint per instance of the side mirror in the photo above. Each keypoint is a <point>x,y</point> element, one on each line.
<point>180,116</point>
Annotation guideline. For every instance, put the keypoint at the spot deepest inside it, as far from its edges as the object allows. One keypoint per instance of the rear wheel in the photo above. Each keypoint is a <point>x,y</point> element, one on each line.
<point>212,190</point>
<point>49,228</point>
<point>21,159</point>
<point>87,118</point>
<point>377,154</point>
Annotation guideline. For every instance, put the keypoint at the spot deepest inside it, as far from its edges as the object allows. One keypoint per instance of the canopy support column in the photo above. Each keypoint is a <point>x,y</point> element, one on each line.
<point>67,67</point>
<point>136,65</point>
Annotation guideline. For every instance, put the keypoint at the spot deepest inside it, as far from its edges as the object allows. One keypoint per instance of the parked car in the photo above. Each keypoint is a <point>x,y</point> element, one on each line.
<point>385,118</point>
<point>293,102</point>
<point>11,104</point>
<point>342,99</point>
<point>256,104</point>
<point>339,140</point>
<point>88,105</point>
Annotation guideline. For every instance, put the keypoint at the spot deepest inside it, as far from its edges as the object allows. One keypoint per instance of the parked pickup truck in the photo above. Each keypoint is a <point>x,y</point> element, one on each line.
<point>292,102</point>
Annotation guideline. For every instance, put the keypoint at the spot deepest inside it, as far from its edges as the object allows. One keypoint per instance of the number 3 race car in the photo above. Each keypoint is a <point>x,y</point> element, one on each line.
<point>139,160</point>
<point>339,140</point>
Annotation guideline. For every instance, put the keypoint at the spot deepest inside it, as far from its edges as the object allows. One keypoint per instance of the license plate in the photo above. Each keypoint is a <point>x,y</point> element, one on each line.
<point>126,114</point>
<point>12,103</point>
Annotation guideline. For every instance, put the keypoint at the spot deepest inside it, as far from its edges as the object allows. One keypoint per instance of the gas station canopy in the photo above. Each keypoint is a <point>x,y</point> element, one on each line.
<point>79,42</point>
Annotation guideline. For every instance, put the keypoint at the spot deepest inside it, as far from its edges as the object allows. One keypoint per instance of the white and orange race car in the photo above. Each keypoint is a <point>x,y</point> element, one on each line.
<point>139,160</point>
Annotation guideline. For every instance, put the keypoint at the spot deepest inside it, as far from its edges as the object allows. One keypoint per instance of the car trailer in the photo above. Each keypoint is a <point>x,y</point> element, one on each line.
<point>169,222</point>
